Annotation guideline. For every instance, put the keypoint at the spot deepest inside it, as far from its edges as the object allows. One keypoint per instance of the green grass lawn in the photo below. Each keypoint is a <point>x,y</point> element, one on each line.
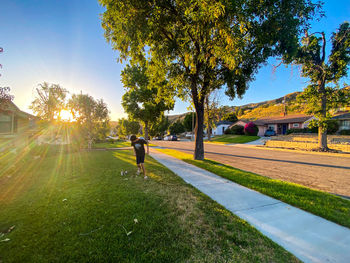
<point>223,139</point>
<point>325,205</point>
<point>107,145</point>
<point>62,206</point>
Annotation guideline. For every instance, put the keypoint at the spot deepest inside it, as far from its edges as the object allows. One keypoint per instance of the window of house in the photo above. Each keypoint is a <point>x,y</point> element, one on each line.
<point>5,123</point>
<point>295,125</point>
<point>346,123</point>
<point>271,127</point>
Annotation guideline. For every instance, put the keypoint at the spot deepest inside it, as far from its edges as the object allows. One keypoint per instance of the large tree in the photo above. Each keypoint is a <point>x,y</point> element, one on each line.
<point>92,117</point>
<point>142,100</point>
<point>204,44</point>
<point>49,101</point>
<point>324,94</point>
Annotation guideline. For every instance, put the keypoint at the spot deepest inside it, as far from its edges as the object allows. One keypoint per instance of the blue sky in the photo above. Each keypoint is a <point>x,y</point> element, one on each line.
<point>61,42</point>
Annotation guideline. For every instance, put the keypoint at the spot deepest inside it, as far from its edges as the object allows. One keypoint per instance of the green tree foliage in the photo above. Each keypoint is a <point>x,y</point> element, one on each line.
<point>188,121</point>
<point>176,128</point>
<point>92,117</point>
<point>323,94</point>
<point>127,127</point>
<point>203,45</point>
<point>142,100</point>
<point>160,127</point>
<point>5,96</point>
<point>49,101</point>
<point>230,117</point>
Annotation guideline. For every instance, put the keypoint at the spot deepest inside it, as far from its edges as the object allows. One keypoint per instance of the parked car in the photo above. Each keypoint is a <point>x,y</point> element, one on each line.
<point>174,138</point>
<point>270,132</point>
<point>158,138</point>
<point>167,138</point>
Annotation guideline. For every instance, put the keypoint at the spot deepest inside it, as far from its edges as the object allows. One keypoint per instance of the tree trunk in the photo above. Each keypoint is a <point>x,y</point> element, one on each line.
<point>199,147</point>
<point>322,127</point>
<point>322,139</point>
<point>146,131</point>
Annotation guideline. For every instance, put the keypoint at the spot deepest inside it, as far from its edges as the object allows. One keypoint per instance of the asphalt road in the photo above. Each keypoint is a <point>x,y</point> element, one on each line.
<point>322,172</point>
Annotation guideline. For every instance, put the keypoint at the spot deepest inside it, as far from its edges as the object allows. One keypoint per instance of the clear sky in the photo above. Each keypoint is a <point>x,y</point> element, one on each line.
<point>62,42</point>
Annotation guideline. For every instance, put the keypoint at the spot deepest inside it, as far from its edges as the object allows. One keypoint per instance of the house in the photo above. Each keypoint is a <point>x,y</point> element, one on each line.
<point>16,126</point>
<point>280,124</point>
<point>343,119</point>
<point>221,126</point>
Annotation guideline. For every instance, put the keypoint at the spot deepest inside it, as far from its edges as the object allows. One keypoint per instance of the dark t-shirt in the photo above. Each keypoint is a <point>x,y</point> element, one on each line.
<point>139,146</point>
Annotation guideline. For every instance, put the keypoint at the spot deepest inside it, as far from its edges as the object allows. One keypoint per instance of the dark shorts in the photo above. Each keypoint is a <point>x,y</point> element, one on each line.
<point>140,159</point>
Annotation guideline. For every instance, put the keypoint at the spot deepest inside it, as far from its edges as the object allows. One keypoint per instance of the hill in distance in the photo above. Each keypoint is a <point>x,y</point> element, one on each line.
<point>257,110</point>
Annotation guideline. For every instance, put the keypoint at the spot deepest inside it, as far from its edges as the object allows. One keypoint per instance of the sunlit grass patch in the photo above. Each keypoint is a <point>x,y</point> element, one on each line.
<point>328,206</point>
<point>116,144</point>
<point>78,207</point>
<point>223,139</point>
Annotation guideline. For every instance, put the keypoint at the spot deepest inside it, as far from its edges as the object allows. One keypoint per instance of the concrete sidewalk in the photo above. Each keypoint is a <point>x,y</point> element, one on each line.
<point>308,237</point>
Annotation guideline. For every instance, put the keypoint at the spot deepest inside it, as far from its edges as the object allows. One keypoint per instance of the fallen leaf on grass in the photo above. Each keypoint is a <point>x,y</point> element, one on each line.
<point>5,240</point>
<point>64,200</point>
<point>126,232</point>
<point>10,229</point>
<point>92,231</point>
<point>136,221</point>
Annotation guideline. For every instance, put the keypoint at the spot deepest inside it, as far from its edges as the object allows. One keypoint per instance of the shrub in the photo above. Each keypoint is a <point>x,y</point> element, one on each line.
<point>237,130</point>
<point>333,127</point>
<point>251,129</point>
<point>299,130</point>
<point>345,132</point>
<point>228,131</point>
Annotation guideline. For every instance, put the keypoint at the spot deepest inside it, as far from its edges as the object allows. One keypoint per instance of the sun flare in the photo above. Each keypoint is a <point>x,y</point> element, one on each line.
<point>66,115</point>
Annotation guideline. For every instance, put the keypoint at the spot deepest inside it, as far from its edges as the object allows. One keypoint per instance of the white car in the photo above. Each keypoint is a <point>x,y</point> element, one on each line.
<point>167,138</point>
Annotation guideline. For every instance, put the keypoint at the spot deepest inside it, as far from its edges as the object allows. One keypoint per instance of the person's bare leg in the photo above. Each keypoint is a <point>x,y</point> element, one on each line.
<point>139,168</point>
<point>143,170</point>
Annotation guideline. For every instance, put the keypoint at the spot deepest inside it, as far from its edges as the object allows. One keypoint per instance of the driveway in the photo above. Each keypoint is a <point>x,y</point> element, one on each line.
<point>322,172</point>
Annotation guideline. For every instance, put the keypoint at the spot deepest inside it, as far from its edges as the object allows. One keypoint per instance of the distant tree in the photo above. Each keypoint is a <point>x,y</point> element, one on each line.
<point>323,94</point>
<point>127,127</point>
<point>92,117</point>
<point>240,112</point>
<point>212,112</point>
<point>142,100</point>
<point>49,101</point>
<point>5,96</point>
<point>188,121</point>
<point>176,128</point>
<point>159,127</point>
<point>205,45</point>
<point>230,117</point>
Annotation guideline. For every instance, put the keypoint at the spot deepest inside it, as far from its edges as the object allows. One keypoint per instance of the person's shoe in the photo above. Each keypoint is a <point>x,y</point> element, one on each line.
<point>146,177</point>
<point>138,172</point>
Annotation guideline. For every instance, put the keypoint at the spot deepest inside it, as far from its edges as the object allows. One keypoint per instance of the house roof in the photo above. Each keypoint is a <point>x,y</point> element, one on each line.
<point>279,119</point>
<point>342,116</point>
<point>13,108</point>
<point>284,119</point>
<point>224,123</point>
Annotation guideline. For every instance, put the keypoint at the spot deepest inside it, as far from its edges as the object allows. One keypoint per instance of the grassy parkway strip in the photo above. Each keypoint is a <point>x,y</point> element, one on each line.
<point>309,237</point>
<point>325,205</point>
